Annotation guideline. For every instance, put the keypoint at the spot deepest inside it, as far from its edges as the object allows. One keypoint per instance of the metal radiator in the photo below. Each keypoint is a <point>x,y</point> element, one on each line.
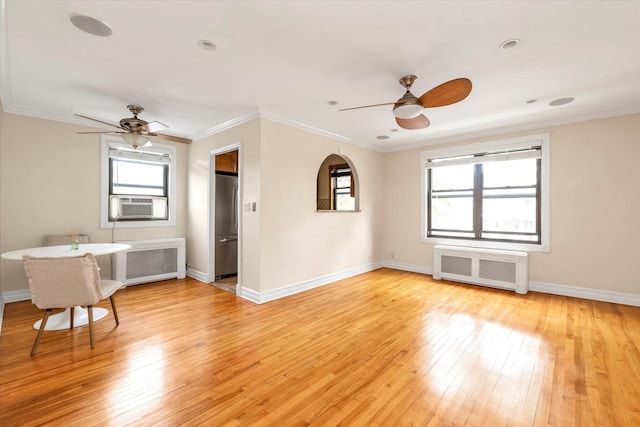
<point>488,267</point>
<point>150,261</point>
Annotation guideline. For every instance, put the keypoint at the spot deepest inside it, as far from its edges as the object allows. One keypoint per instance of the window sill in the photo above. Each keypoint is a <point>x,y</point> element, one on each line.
<point>526,247</point>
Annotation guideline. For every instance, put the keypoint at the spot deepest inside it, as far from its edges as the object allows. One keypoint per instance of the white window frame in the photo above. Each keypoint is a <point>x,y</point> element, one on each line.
<point>542,140</point>
<point>109,141</point>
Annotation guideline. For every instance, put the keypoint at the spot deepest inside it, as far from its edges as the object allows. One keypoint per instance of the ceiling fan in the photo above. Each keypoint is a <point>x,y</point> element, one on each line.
<point>408,109</point>
<point>137,132</point>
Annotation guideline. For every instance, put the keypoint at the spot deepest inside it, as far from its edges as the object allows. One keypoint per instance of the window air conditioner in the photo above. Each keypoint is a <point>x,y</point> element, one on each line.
<point>135,207</point>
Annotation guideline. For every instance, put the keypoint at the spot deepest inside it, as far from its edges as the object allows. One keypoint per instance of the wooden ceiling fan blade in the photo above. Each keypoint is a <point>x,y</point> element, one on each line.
<point>105,132</point>
<point>170,138</point>
<point>367,106</point>
<point>447,93</point>
<point>99,121</point>
<point>419,122</point>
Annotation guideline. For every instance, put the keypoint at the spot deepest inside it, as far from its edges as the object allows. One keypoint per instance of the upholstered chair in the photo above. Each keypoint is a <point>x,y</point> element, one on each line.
<point>65,283</point>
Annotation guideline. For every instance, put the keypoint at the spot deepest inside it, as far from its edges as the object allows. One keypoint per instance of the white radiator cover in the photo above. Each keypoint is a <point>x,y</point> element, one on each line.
<point>150,261</point>
<point>488,267</point>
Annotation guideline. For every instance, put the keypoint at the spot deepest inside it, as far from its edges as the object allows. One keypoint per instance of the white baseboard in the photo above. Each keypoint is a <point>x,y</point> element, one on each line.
<point>586,293</point>
<point>199,276</point>
<point>407,267</point>
<point>15,296</point>
<point>294,288</point>
<point>546,288</point>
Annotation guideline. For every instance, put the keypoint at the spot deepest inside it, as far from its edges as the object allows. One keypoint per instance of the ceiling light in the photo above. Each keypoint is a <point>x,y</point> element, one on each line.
<point>393,130</point>
<point>509,44</point>
<point>531,101</point>
<point>560,101</point>
<point>136,140</point>
<point>408,107</point>
<point>332,102</point>
<point>90,25</point>
<point>382,137</point>
<point>207,45</point>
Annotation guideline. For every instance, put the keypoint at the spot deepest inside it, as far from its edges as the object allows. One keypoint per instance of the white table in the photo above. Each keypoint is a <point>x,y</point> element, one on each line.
<point>60,321</point>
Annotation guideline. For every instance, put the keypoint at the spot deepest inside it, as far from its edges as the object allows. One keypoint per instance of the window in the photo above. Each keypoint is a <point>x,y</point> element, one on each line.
<point>488,195</point>
<point>138,185</point>
<point>341,187</point>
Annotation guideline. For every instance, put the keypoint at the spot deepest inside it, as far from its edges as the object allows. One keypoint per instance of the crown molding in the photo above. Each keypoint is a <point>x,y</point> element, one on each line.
<point>529,126</point>
<point>241,119</point>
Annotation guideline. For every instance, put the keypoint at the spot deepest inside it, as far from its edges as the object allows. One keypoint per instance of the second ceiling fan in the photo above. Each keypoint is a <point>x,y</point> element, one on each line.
<point>408,109</point>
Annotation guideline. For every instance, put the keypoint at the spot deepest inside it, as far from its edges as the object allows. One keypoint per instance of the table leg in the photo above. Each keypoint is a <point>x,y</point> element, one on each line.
<point>60,321</point>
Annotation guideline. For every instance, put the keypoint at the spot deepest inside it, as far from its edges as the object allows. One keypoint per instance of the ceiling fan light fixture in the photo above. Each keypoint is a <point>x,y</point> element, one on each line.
<point>408,110</point>
<point>136,140</point>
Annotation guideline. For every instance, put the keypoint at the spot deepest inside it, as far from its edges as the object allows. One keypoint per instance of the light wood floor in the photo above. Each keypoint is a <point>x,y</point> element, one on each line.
<point>382,348</point>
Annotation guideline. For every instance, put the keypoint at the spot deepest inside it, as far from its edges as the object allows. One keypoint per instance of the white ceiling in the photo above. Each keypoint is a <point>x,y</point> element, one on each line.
<point>284,60</point>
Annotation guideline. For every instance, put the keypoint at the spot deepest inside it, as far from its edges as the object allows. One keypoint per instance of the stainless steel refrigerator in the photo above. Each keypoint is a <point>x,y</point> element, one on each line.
<point>226,207</point>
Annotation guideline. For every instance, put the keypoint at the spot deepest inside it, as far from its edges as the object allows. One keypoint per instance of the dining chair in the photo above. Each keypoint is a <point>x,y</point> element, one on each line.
<point>66,282</point>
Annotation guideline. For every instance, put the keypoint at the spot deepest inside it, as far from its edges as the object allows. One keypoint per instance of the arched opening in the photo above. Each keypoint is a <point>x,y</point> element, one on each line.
<point>337,185</point>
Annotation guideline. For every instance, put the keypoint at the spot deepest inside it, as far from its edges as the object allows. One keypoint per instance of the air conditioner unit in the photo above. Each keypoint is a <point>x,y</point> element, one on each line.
<point>135,207</point>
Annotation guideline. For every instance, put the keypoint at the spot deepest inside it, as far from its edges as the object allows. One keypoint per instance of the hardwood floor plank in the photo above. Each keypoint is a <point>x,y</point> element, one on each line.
<point>382,348</point>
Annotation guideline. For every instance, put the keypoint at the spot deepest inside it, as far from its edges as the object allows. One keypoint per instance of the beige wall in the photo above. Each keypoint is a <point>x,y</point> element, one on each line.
<point>49,181</point>
<point>285,241</point>
<point>297,242</point>
<point>198,229</point>
<point>595,207</point>
<point>50,184</point>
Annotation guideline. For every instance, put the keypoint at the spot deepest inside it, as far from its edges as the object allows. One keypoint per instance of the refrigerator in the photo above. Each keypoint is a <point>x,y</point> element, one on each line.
<point>226,226</point>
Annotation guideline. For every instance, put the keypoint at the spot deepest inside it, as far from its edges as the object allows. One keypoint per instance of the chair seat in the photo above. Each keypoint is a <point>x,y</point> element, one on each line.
<point>109,287</point>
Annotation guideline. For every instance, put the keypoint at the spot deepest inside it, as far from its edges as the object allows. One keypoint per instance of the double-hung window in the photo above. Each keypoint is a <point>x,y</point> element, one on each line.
<point>138,184</point>
<point>492,195</point>
<point>342,188</point>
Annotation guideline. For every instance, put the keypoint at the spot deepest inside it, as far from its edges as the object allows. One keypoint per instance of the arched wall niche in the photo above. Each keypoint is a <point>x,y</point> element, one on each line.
<point>338,187</point>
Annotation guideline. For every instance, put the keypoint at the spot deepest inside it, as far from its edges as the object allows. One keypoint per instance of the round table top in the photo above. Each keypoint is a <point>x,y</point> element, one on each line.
<point>65,250</point>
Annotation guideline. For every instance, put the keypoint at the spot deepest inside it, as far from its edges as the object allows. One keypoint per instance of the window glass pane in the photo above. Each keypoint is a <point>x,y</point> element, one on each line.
<point>509,214</point>
<point>344,202</point>
<point>343,181</point>
<point>137,178</point>
<point>452,177</point>
<point>510,173</point>
<point>452,213</point>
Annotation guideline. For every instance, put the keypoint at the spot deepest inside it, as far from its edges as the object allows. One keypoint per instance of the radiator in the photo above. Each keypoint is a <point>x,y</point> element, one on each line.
<point>488,267</point>
<point>149,261</point>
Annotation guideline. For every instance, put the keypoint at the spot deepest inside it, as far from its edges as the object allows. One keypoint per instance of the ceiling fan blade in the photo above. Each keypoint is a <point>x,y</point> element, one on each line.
<point>447,93</point>
<point>99,121</point>
<point>107,132</point>
<point>169,138</point>
<point>367,106</point>
<point>156,126</point>
<point>419,122</point>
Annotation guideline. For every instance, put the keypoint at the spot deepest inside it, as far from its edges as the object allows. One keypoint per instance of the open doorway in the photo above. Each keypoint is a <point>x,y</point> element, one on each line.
<point>225,209</point>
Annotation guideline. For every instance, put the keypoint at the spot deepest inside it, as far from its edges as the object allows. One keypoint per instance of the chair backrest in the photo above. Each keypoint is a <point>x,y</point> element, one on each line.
<point>63,239</point>
<point>63,282</point>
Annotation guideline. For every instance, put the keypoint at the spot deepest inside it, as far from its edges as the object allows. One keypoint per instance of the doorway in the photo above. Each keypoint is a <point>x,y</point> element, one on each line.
<point>225,218</point>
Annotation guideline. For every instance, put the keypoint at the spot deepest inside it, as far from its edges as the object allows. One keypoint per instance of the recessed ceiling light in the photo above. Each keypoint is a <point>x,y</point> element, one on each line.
<point>382,137</point>
<point>531,101</point>
<point>90,25</point>
<point>509,44</point>
<point>560,101</point>
<point>332,102</point>
<point>207,45</point>
<point>393,130</point>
